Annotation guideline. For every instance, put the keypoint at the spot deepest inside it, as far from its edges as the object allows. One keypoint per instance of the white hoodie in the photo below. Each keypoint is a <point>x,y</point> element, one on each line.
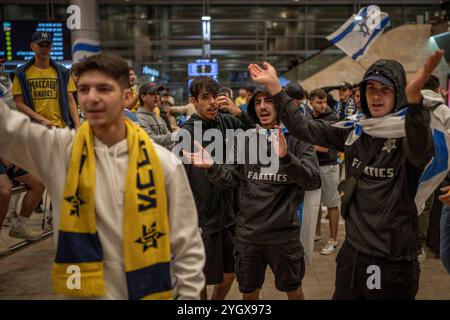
<point>46,153</point>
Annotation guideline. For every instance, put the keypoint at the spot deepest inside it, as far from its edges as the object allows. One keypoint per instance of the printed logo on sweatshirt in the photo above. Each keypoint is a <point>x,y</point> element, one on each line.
<point>374,171</point>
<point>379,172</point>
<point>390,145</point>
<point>260,176</point>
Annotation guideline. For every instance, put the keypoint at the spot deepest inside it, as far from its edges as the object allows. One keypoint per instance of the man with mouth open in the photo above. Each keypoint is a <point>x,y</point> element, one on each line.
<point>386,153</point>
<point>216,212</point>
<point>267,229</point>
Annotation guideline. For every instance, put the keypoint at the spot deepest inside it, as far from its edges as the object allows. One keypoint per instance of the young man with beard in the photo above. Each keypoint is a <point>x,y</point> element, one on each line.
<point>267,230</point>
<point>329,172</point>
<point>124,214</point>
<point>214,203</point>
<point>391,148</point>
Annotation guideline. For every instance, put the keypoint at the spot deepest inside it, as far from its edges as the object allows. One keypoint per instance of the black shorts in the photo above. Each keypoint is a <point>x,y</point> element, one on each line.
<point>357,277</point>
<point>12,172</point>
<point>286,261</point>
<point>219,248</point>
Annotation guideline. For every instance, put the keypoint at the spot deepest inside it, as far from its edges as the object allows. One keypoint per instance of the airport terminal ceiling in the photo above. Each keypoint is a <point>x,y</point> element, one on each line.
<point>167,35</point>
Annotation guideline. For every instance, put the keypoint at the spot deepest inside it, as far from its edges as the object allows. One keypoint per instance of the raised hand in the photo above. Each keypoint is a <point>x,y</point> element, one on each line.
<point>279,142</point>
<point>265,75</point>
<point>200,159</point>
<point>416,84</point>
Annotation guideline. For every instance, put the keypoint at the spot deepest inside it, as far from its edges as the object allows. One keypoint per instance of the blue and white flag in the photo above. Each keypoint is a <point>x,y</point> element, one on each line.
<point>358,33</point>
<point>83,48</point>
<point>392,126</point>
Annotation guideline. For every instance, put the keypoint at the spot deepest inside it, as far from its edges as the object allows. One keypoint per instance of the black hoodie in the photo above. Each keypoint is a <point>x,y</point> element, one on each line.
<point>382,219</point>
<point>327,158</point>
<point>214,203</point>
<point>268,203</point>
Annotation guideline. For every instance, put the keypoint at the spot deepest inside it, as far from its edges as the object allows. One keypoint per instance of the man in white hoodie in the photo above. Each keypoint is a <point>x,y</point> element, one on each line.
<point>103,91</point>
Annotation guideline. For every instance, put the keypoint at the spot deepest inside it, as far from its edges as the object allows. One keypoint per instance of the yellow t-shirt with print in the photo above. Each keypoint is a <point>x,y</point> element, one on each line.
<point>134,93</point>
<point>43,85</point>
<point>240,101</point>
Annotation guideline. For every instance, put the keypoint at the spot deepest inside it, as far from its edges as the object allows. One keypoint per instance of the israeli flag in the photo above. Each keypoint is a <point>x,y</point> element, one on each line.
<point>358,33</point>
<point>83,48</point>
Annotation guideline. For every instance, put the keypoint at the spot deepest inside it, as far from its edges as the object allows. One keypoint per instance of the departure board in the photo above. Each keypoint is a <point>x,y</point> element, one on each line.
<point>15,39</point>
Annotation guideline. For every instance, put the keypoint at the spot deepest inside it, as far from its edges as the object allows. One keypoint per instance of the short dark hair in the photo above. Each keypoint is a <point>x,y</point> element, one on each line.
<point>206,83</point>
<point>318,93</point>
<point>111,64</point>
<point>74,69</point>
<point>228,91</point>
<point>432,83</point>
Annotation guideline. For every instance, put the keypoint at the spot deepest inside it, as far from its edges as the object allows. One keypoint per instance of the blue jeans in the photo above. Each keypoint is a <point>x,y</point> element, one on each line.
<point>445,237</point>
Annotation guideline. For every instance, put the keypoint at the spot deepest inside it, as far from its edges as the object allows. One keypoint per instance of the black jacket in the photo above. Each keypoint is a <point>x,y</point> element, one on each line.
<point>382,217</point>
<point>327,158</point>
<point>214,203</point>
<point>268,202</point>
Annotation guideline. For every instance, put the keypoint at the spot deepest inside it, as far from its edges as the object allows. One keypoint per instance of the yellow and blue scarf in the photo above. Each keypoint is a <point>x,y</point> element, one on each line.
<point>146,239</point>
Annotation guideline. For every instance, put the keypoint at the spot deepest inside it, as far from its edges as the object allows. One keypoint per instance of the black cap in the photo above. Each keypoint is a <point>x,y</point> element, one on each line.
<point>380,78</point>
<point>295,91</point>
<point>150,87</point>
<point>39,37</point>
<point>345,85</point>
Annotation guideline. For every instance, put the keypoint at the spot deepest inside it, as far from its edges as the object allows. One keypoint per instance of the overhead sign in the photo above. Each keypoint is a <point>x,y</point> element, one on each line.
<point>203,67</point>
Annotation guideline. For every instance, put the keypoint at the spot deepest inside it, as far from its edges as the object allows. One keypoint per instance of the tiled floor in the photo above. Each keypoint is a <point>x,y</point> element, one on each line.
<point>26,275</point>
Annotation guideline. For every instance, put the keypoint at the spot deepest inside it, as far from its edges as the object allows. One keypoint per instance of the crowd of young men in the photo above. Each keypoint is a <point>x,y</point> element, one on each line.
<point>144,223</point>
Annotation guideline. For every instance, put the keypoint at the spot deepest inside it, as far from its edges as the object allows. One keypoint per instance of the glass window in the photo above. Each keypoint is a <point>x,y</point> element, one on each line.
<point>322,28</point>
<point>330,12</point>
<point>25,12</point>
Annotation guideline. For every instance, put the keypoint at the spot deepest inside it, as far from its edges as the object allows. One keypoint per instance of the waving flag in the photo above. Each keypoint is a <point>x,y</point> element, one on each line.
<point>358,33</point>
<point>83,48</point>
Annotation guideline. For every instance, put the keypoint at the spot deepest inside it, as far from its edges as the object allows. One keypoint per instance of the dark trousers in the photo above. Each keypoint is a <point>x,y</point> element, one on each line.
<point>363,277</point>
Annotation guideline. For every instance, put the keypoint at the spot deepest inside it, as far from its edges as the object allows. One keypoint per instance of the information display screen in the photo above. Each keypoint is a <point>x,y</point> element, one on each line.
<point>203,67</point>
<point>15,39</point>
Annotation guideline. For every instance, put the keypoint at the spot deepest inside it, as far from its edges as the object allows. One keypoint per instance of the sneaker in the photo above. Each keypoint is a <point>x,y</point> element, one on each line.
<point>7,221</point>
<point>4,249</point>
<point>39,210</point>
<point>21,230</point>
<point>422,256</point>
<point>317,238</point>
<point>330,247</point>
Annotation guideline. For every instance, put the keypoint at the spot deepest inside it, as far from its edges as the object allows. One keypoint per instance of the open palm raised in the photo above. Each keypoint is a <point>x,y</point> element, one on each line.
<point>200,159</point>
<point>421,76</point>
<point>265,75</point>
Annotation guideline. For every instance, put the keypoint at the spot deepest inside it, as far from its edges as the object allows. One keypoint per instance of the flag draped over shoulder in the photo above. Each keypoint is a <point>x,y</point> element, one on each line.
<point>393,126</point>
<point>358,33</point>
